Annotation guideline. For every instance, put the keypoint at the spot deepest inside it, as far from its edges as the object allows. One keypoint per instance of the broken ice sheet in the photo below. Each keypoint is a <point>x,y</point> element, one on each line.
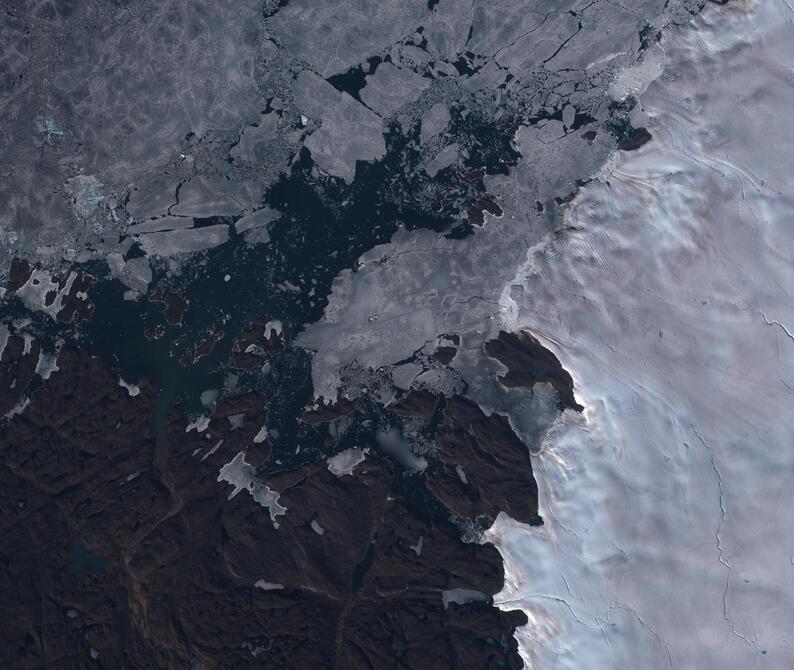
<point>349,131</point>
<point>87,193</point>
<point>36,292</point>
<point>170,243</point>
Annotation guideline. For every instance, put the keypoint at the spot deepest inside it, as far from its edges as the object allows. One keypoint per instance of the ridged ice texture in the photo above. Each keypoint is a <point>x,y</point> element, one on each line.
<point>669,506</point>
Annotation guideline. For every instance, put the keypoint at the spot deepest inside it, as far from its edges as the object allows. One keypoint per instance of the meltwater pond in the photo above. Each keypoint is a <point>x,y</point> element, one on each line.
<point>669,507</point>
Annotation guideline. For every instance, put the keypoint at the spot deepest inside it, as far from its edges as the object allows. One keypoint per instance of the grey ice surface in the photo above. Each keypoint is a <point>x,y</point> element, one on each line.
<point>389,88</point>
<point>135,273</point>
<point>669,539</point>
<point>434,121</point>
<point>204,196</point>
<point>321,32</point>
<point>443,159</point>
<point>390,442</point>
<point>345,462</point>
<point>169,243</point>
<point>46,365</point>
<point>92,117</point>
<point>127,119</point>
<point>242,476</point>
<point>462,596</point>
<point>666,540</point>
<point>4,333</point>
<point>132,389</point>
<point>348,131</point>
<point>268,586</point>
<point>34,292</point>
<point>258,219</point>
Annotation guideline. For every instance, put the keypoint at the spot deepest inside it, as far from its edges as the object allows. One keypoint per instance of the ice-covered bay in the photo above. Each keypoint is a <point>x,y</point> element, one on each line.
<point>669,506</point>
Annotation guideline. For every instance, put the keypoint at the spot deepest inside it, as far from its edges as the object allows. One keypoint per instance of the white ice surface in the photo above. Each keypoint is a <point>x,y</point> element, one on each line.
<point>242,476</point>
<point>345,462</point>
<point>132,389</point>
<point>40,283</point>
<point>46,365</point>
<point>669,507</point>
<point>268,586</point>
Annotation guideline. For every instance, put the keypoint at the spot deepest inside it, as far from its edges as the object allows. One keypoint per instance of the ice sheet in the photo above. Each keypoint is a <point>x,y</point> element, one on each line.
<point>669,534</point>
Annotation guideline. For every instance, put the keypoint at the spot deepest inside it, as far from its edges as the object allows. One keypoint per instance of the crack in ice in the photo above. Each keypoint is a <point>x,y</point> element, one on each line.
<point>645,625</point>
<point>720,548</point>
<point>773,323</point>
